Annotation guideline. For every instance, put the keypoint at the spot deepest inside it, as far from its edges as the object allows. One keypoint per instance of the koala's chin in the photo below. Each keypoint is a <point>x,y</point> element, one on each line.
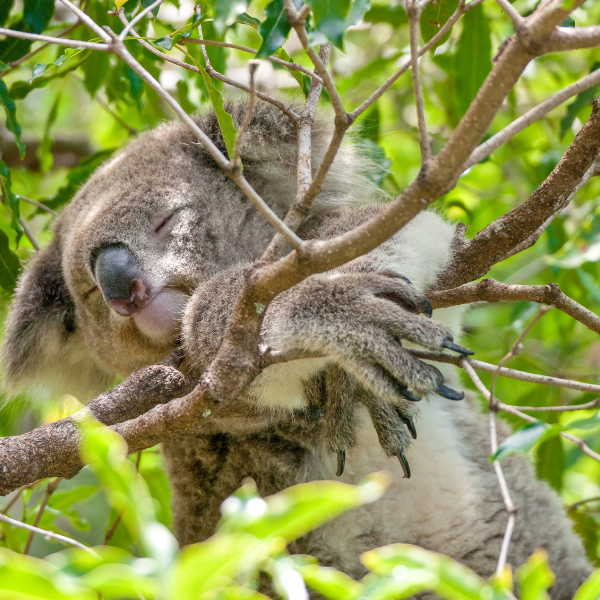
<point>160,319</point>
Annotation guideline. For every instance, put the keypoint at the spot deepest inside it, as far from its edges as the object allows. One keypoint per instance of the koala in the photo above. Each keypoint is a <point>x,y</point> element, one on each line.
<point>150,255</point>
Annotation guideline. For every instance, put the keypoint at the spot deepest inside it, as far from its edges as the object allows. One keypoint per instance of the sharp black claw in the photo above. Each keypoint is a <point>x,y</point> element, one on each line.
<point>426,307</point>
<point>341,462</point>
<point>452,346</point>
<point>410,425</point>
<point>404,464</point>
<point>409,395</point>
<point>444,390</point>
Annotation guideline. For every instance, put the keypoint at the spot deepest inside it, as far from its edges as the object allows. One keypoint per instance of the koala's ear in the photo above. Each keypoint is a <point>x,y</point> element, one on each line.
<point>42,349</point>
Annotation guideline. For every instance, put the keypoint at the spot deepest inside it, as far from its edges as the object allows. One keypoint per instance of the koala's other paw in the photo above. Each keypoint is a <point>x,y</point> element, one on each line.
<point>360,320</point>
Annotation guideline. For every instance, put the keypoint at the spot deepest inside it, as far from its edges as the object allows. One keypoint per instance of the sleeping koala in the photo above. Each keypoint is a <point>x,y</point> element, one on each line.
<point>150,254</point>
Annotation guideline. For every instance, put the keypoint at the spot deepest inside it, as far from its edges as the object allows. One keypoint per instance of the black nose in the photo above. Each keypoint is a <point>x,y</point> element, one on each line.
<point>120,279</point>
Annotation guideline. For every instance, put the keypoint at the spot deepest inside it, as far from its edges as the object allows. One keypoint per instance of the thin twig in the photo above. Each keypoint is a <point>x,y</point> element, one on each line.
<point>50,489</point>
<point>23,35</point>
<point>531,116</point>
<point>88,21</point>
<point>16,63</point>
<point>49,534</point>
<point>511,509</point>
<point>414,14</point>
<point>479,365</point>
<point>235,161</point>
<point>511,11</point>
<point>39,205</point>
<point>579,503</point>
<point>291,66</point>
<point>29,234</point>
<point>138,18</point>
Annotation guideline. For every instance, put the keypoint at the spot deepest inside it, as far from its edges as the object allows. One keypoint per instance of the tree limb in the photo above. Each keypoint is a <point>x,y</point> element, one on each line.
<point>491,245</point>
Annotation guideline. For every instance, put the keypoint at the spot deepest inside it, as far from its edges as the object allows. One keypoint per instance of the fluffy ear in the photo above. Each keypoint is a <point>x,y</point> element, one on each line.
<point>42,349</point>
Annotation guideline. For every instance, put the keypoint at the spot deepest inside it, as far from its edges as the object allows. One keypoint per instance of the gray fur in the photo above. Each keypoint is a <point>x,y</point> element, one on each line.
<point>61,335</point>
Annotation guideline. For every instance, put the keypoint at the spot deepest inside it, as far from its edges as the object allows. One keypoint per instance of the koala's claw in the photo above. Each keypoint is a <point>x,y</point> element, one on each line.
<point>447,392</point>
<point>408,421</point>
<point>426,307</point>
<point>406,393</point>
<point>450,345</point>
<point>341,462</point>
<point>404,464</point>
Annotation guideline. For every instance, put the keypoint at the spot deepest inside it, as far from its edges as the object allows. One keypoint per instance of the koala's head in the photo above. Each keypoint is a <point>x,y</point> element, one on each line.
<point>108,294</point>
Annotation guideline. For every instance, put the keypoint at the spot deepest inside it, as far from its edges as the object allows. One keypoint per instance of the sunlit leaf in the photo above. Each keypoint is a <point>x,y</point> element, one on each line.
<point>330,18</point>
<point>227,12</point>
<point>534,578</point>
<point>473,57</point>
<point>330,583</point>
<point>12,201</point>
<point>297,510</point>
<point>525,438</point>
<point>434,16</point>
<point>357,12</point>
<point>590,589</point>
<point>384,13</point>
<point>11,116</point>
<point>275,28</point>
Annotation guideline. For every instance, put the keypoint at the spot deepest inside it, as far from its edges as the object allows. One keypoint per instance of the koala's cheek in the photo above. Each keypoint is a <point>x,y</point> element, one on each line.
<point>160,319</point>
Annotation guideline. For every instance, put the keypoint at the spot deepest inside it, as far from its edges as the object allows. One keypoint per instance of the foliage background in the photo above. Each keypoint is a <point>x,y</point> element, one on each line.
<point>76,108</point>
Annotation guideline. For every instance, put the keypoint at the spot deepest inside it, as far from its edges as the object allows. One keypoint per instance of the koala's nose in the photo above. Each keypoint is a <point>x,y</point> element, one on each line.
<point>120,279</point>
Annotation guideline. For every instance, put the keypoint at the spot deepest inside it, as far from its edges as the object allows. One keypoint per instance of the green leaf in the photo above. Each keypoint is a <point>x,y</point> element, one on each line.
<point>424,570</point>
<point>11,200</point>
<point>37,14</point>
<point>11,116</point>
<point>44,150</point>
<point>302,79</point>
<point>590,588</point>
<point>525,438</point>
<point>297,510</point>
<point>95,69</point>
<point>357,12</point>
<point>275,28</point>
<point>550,462</point>
<point>590,423</point>
<point>227,13</point>
<point>535,577</point>
<point>5,8</point>
<point>582,99</point>
<point>330,18</point>
<point>105,452</point>
<point>225,120</point>
<point>214,563</point>
<point>147,3</point>
<point>9,264</point>
<point>29,578</point>
<point>435,15</point>
<point>246,19</point>
<point>165,42</point>
<point>383,13</point>
<point>331,583</point>
<point>183,91</point>
<point>62,500</point>
<point>473,57</point>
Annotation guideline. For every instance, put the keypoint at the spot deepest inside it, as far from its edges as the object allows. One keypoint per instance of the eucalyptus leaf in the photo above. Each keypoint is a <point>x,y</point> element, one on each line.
<point>473,57</point>
<point>227,12</point>
<point>9,264</point>
<point>590,589</point>
<point>525,438</point>
<point>275,28</point>
<point>433,17</point>
<point>11,116</point>
<point>12,201</point>
<point>330,18</point>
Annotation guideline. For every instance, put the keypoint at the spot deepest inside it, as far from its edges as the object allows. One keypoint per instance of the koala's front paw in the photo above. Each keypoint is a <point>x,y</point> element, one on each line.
<point>360,320</point>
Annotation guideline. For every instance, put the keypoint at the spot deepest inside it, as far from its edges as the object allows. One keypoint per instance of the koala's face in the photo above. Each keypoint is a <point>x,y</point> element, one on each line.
<point>136,241</point>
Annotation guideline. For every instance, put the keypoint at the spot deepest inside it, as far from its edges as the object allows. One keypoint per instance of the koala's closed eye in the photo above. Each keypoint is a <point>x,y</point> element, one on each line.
<point>163,225</point>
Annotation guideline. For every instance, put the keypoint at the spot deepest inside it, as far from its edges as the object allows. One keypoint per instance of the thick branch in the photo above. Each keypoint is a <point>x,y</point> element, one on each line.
<point>53,449</point>
<point>491,245</point>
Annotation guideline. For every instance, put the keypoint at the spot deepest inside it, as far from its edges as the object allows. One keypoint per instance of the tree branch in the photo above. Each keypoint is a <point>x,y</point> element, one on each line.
<point>490,290</point>
<point>491,245</point>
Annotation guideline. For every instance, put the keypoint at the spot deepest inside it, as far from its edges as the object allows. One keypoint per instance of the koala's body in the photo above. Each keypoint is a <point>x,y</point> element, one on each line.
<point>151,252</point>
